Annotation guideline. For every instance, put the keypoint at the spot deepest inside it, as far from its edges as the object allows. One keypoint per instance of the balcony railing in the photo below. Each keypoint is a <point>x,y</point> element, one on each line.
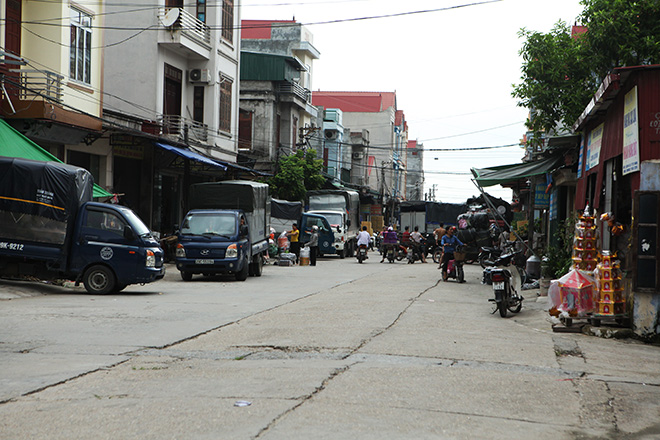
<point>295,89</point>
<point>175,126</point>
<point>39,84</point>
<point>189,25</point>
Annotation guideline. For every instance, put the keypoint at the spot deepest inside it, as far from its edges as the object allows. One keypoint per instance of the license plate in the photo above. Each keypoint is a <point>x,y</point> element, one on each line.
<point>203,261</point>
<point>498,286</point>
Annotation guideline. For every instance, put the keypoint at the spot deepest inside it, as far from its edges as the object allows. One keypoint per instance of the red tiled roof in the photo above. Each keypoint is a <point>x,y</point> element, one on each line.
<point>369,102</point>
<point>576,31</point>
<point>259,29</point>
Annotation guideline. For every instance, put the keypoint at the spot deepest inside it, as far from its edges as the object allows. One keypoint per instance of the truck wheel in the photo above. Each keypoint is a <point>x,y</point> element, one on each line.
<point>257,266</point>
<point>99,280</point>
<point>242,275</point>
<point>342,253</point>
<point>186,276</point>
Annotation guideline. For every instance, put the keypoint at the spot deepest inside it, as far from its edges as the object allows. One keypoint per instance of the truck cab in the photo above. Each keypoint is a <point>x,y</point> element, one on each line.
<point>214,242</point>
<point>113,248</point>
<point>326,234</point>
<point>340,225</point>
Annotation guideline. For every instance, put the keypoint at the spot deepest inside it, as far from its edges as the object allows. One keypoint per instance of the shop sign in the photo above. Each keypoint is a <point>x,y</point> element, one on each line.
<point>376,209</point>
<point>552,215</point>
<point>541,198</point>
<point>593,147</point>
<point>630,133</point>
<point>654,125</point>
<point>129,151</point>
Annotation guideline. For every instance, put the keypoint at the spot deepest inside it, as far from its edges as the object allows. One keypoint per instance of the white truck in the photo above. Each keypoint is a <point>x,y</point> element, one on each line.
<point>341,208</point>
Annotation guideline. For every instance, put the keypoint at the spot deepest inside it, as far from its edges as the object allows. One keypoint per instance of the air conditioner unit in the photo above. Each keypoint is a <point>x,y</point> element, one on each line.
<point>199,76</point>
<point>331,134</point>
<point>357,156</point>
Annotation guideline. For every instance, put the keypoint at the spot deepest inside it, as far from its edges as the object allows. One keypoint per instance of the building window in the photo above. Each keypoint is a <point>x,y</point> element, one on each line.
<point>228,20</point>
<point>225,104</point>
<point>80,58</point>
<point>201,10</point>
<point>245,129</point>
<point>198,104</point>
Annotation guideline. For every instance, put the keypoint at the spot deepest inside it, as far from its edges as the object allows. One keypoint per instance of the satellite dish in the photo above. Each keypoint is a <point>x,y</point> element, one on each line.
<point>170,18</point>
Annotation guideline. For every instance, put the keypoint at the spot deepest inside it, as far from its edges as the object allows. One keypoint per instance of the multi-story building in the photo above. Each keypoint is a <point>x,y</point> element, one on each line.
<point>52,75</point>
<point>276,114</point>
<point>375,112</point>
<point>415,171</point>
<point>171,83</point>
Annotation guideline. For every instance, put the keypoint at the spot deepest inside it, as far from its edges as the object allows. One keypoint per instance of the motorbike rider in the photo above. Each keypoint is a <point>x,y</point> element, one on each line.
<point>449,244</point>
<point>363,238</point>
<point>390,240</point>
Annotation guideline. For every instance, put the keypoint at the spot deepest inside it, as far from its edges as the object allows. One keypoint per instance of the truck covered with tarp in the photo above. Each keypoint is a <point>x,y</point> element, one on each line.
<point>50,229</point>
<point>226,229</point>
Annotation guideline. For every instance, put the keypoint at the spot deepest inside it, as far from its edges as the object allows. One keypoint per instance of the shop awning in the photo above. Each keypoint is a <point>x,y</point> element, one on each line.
<point>191,155</point>
<point>14,144</point>
<point>511,173</point>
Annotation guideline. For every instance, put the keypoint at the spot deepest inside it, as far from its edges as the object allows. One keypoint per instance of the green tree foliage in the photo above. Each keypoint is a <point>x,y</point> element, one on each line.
<point>621,32</point>
<point>560,73</point>
<point>297,174</point>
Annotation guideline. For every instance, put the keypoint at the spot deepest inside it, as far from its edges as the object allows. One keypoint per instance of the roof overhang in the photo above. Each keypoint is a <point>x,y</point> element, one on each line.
<point>512,173</point>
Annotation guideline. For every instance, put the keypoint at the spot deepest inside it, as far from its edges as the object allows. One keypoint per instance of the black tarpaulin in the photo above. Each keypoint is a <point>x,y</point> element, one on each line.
<point>285,209</point>
<point>248,196</point>
<point>44,189</point>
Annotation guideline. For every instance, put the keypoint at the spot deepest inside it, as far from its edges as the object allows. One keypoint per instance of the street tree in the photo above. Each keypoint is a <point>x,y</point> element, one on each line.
<point>296,174</point>
<point>561,72</point>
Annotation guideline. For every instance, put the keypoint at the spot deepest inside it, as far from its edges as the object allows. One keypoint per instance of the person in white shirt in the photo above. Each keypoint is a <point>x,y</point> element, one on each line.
<point>416,238</point>
<point>363,238</point>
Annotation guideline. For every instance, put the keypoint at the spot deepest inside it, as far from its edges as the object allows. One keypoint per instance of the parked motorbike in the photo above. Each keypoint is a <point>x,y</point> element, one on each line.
<point>455,266</point>
<point>488,254</point>
<point>507,284</point>
<point>361,253</point>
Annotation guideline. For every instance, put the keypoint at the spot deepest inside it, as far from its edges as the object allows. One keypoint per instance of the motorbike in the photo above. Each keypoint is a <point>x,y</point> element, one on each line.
<point>455,266</point>
<point>390,253</point>
<point>488,254</point>
<point>414,254</point>
<point>361,253</point>
<point>400,252</point>
<point>507,284</point>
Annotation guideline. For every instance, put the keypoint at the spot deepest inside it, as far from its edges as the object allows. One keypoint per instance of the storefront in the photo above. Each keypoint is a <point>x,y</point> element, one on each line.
<point>617,180</point>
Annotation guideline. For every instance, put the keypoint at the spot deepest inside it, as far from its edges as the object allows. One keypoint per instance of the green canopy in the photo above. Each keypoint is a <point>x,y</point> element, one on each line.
<point>14,144</point>
<point>514,172</point>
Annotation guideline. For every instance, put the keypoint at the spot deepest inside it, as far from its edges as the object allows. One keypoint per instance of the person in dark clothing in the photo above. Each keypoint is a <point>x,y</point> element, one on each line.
<point>313,245</point>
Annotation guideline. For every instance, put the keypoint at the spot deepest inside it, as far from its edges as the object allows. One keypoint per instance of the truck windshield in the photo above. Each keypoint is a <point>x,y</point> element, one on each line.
<point>327,202</point>
<point>211,224</point>
<point>136,223</point>
<point>333,219</point>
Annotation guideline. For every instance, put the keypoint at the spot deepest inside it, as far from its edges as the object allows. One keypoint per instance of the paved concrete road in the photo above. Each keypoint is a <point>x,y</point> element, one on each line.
<point>338,351</point>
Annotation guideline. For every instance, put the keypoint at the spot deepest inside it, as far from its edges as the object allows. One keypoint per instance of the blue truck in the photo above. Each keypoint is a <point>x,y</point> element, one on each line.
<point>225,231</point>
<point>52,230</point>
<point>285,213</point>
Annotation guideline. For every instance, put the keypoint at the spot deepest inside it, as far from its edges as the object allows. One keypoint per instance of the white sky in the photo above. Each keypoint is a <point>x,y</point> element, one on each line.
<point>452,70</point>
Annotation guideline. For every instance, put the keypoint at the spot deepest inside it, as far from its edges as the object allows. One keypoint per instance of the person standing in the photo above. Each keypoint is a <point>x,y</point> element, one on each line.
<point>313,245</point>
<point>294,235</point>
<point>449,243</point>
